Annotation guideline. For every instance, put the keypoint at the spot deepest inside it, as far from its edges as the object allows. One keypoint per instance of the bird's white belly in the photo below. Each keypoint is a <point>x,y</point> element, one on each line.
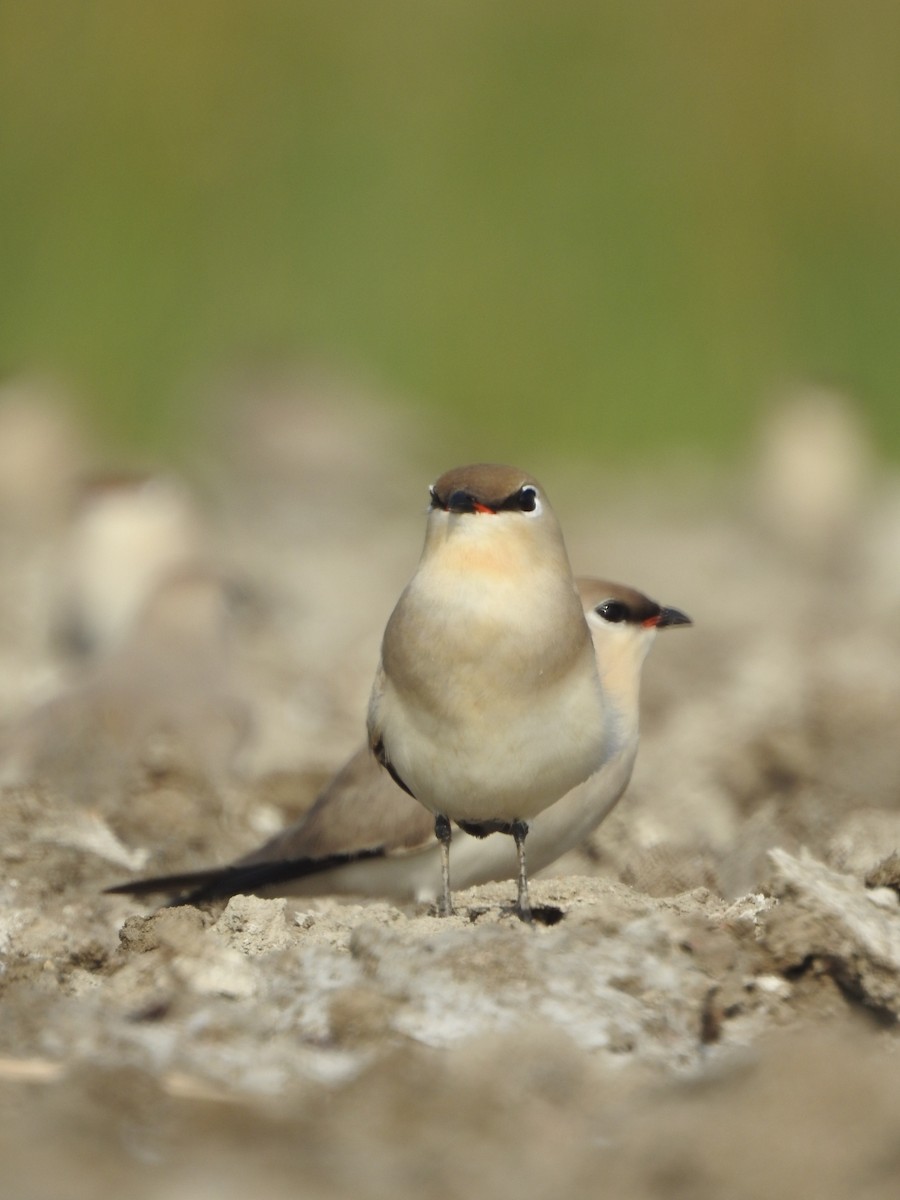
<point>507,765</point>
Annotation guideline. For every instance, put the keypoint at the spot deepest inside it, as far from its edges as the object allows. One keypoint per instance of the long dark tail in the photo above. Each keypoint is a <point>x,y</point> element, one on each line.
<point>193,887</point>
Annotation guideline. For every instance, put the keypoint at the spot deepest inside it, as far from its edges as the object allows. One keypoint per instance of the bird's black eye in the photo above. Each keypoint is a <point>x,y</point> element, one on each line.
<point>612,611</point>
<point>461,502</point>
<point>526,499</point>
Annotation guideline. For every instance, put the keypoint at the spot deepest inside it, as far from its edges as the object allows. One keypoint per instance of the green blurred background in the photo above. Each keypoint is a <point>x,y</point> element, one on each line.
<point>606,227</point>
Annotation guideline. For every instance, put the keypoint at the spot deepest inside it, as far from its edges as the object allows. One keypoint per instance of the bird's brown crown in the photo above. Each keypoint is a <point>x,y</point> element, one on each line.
<point>640,608</point>
<point>488,484</point>
<point>615,602</point>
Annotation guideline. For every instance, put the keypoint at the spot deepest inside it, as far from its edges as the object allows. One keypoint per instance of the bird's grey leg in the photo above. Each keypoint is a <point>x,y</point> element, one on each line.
<point>519,831</point>
<point>442,833</point>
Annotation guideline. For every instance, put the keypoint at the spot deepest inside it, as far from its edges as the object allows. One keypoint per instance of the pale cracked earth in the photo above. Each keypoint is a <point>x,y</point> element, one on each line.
<point>714,1013</point>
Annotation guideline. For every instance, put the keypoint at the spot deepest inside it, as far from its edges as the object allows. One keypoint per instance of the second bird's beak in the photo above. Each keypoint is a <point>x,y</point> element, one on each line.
<point>672,616</point>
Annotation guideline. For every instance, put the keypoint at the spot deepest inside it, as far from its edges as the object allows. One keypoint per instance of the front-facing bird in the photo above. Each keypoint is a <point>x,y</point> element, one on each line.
<point>485,709</point>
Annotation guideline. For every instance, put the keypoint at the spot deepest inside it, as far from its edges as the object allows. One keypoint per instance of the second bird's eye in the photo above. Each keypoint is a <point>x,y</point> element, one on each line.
<point>526,498</point>
<point>612,610</point>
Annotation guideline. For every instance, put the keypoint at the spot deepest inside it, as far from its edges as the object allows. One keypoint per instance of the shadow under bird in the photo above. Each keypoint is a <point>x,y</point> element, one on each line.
<point>500,686</point>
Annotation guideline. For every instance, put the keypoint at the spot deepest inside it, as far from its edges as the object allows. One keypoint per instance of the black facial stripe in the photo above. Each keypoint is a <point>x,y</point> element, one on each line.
<point>461,502</point>
<point>522,500</point>
<point>615,610</point>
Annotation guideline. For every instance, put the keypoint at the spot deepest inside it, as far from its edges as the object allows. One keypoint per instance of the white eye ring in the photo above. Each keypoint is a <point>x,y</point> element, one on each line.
<point>538,507</point>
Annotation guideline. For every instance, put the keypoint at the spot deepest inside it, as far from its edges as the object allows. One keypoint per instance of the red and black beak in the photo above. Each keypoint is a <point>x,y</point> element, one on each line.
<point>465,502</point>
<point>672,616</point>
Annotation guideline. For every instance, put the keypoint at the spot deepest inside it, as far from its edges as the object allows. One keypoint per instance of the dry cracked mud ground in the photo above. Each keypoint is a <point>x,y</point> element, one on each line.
<point>713,1013</point>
